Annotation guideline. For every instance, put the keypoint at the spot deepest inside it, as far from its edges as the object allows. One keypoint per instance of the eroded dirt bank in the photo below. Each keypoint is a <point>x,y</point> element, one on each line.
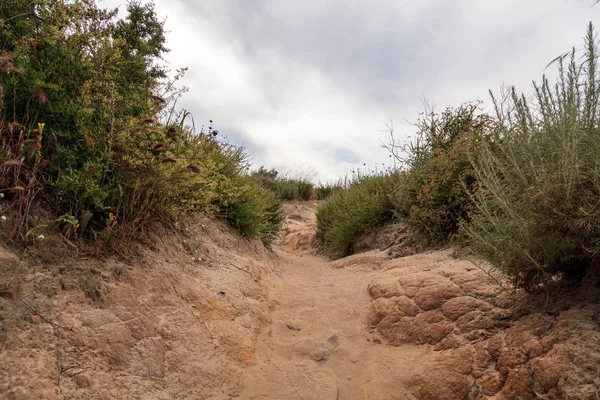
<point>180,324</point>
<point>207,315</point>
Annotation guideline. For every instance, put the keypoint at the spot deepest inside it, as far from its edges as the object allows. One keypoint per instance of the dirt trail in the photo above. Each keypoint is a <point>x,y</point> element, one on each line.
<point>426,326</point>
<point>317,345</point>
<point>205,314</point>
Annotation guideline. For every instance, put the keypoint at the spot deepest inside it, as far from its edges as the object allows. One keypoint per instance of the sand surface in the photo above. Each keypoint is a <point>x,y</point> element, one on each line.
<point>317,345</point>
<point>205,314</point>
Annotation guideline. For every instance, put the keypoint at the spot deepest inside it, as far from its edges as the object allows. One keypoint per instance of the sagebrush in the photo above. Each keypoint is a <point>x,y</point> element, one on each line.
<point>537,211</point>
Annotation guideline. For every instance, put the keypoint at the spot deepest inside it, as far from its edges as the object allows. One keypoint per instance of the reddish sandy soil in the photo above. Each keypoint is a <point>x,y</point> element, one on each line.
<point>207,315</point>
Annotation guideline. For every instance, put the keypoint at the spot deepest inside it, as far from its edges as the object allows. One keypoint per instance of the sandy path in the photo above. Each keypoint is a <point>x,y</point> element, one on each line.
<point>317,345</point>
<point>207,315</point>
<point>426,326</point>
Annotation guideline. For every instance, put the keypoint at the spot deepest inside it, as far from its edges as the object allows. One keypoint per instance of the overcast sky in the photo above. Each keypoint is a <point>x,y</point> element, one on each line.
<point>310,84</point>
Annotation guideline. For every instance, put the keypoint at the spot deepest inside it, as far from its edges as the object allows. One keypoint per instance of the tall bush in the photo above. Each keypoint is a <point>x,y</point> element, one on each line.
<point>434,198</point>
<point>537,211</point>
<point>286,187</point>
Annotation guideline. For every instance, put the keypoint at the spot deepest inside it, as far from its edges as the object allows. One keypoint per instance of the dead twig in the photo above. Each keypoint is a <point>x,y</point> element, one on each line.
<point>75,373</point>
<point>596,382</point>
<point>67,241</point>
<point>203,322</point>
<point>212,337</point>
<point>246,271</point>
<point>58,366</point>
<point>36,312</point>
<point>241,269</point>
<point>8,237</point>
<point>58,331</point>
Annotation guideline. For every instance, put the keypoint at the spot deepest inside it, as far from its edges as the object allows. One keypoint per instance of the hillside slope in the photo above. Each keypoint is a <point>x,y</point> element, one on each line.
<point>181,323</point>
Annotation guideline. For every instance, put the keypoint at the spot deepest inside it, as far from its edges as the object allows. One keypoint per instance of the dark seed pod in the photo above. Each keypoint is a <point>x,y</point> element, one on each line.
<point>169,160</point>
<point>172,131</point>
<point>6,66</point>
<point>195,169</point>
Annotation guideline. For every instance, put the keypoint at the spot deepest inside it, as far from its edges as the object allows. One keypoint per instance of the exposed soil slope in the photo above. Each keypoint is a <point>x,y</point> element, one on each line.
<point>179,324</point>
<point>207,315</point>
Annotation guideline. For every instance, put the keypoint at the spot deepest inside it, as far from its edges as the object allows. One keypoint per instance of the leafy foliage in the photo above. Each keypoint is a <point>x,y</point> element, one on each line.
<point>254,212</point>
<point>347,214</point>
<point>537,211</point>
<point>285,187</point>
<point>323,191</point>
<point>435,196</point>
<point>88,129</point>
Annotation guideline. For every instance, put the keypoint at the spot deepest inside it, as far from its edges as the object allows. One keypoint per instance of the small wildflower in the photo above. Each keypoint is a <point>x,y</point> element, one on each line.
<point>3,218</point>
<point>41,237</point>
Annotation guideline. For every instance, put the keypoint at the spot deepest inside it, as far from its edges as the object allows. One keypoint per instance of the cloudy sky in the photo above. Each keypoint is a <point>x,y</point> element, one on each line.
<point>309,85</point>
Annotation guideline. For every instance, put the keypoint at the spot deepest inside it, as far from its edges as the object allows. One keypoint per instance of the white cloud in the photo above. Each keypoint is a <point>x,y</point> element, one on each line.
<point>312,83</point>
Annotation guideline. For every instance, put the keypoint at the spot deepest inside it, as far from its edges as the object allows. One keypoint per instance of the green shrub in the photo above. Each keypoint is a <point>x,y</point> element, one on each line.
<point>80,84</point>
<point>285,187</point>
<point>323,191</point>
<point>435,196</point>
<point>537,211</point>
<point>253,211</point>
<point>87,128</point>
<point>305,190</point>
<point>345,215</point>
